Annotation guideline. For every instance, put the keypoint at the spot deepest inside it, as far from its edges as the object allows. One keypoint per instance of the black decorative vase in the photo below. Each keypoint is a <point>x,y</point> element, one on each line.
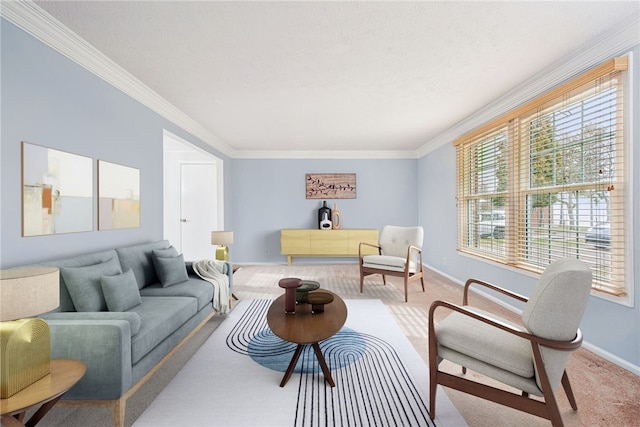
<point>324,217</point>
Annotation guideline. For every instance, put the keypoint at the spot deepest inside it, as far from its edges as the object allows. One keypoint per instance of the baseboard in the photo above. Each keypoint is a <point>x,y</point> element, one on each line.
<point>588,346</point>
<point>612,358</point>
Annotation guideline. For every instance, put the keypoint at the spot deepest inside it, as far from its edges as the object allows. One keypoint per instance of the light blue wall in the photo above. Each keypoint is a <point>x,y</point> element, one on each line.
<point>49,100</point>
<point>612,327</point>
<point>269,195</point>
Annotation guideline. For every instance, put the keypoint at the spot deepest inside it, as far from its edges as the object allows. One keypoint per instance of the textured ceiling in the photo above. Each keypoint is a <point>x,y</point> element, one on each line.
<point>334,75</point>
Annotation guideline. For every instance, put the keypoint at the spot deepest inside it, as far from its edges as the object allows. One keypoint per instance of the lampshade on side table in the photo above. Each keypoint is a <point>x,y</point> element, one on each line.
<point>25,346</point>
<point>222,238</point>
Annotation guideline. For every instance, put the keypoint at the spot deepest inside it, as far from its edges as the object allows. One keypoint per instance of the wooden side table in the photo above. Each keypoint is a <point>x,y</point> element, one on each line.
<point>44,393</point>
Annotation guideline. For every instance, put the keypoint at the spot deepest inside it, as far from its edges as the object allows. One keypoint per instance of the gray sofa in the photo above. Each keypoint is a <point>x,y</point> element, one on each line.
<point>122,333</point>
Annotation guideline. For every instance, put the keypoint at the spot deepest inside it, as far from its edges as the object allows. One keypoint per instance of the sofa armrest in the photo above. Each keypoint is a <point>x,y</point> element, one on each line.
<point>130,316</point>
<point>105,348</point>
<point>229,273</point>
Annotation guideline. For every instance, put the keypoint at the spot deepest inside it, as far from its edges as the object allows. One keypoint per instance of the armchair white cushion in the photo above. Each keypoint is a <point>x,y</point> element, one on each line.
<point>388,262</point>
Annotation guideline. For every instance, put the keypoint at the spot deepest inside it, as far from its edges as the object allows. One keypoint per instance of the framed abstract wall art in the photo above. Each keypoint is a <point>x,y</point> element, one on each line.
<point>118,196</point>
<point>330,185</point>
<point>57,191</point>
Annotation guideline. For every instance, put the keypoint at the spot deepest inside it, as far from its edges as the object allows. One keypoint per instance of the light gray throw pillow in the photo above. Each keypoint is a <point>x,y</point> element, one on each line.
<point>170,270</point>
<point>169,252</point>
<point>83,284</point>
<point>121,291</point>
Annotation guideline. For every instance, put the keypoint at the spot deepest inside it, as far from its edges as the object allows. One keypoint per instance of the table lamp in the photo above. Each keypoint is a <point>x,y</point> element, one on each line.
<point>222,238</point>
<point>25,343</point>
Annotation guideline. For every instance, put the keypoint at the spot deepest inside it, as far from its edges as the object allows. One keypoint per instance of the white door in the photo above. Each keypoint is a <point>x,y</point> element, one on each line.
<point>198,210</point>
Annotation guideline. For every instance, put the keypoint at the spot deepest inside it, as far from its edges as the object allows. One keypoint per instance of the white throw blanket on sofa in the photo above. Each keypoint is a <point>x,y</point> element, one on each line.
<point>211,270</point>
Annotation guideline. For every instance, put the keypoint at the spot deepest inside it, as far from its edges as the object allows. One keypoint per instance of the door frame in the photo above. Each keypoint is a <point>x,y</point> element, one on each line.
<point>178,151</point>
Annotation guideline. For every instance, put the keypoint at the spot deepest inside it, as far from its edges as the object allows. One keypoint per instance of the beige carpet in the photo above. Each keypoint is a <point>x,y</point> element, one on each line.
<point>607,395</point>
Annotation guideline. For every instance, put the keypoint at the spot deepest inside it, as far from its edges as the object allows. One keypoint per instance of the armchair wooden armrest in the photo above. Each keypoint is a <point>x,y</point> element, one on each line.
<point>555,344</point>
<point>413,248</point>
<point>370,245</point>
<point>418,251</point>
<point>469,282</point>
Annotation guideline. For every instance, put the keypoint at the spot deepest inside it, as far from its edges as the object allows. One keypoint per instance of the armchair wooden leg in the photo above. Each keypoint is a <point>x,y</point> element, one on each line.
<point>422,281</point>
<point>406,291</point>
<point>361,282</point>
<point>554,411</point>
<point>568,391</point>
<point>550,403</point>
<point>433,384</point>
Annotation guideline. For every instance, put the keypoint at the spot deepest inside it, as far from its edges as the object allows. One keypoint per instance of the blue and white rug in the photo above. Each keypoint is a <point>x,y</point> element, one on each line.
<point>233,379</point>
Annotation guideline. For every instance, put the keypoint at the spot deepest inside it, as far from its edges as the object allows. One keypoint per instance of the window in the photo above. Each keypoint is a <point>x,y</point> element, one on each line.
<point>548,180</point>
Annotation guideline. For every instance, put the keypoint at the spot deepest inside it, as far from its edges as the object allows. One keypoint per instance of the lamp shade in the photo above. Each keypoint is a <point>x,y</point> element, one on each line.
<point>221,237</point>
<point>27,292</point>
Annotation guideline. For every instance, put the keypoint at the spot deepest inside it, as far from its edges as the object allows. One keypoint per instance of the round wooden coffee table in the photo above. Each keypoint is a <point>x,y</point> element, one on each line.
<point>44,393</point>
<point>304,328</point>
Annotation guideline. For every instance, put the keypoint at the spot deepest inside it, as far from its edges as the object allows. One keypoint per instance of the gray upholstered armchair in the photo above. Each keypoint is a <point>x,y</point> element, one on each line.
<point>399,254</point>
<point>530,357</point>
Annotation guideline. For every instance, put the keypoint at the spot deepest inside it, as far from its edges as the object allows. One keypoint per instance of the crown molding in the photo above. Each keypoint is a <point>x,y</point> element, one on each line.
<point>620,38</point>
<point>38,23</point>
<point>387,155</point>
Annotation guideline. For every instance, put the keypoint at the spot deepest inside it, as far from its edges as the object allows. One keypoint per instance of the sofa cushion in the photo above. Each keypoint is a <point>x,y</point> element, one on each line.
<point>170,252</point>
<point>139,259</point>
<point>194,287</point>
<point>160,317</point>
<point>170,270</point>
<point>77,261</point>
<point>120,291</point>
<point>83,284</point>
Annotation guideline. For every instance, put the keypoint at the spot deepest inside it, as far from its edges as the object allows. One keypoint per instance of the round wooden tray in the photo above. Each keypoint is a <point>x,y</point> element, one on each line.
<point>303,291</point>
<point>318,300</point>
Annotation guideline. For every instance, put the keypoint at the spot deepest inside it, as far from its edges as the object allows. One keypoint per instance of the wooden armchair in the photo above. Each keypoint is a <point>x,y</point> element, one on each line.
<point>530,358</point>
<point>399,254</point>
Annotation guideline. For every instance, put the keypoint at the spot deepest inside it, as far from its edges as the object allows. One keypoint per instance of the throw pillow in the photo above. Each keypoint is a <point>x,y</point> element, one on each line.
<point>121,291</point>
<point>170,270</point>
<point>169,252</point>
<point>83,284</point>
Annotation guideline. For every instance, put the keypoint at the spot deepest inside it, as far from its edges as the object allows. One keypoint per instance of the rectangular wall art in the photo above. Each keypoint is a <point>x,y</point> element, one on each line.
<point>331,185</point>
<point>57,191</point>
<point>118,196</point>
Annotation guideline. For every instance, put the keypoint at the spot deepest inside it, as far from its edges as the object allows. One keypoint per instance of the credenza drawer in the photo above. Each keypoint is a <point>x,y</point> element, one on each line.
<point>308,242</point>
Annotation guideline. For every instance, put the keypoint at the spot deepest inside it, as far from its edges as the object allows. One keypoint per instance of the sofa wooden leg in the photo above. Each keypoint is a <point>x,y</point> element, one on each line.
<point>118,411</point>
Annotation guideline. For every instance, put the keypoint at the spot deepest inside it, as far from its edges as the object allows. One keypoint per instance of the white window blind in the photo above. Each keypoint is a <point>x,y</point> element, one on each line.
<point>547,180</point>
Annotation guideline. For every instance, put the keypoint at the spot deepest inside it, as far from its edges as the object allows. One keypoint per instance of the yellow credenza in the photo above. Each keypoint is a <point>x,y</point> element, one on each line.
<point>333,243</point>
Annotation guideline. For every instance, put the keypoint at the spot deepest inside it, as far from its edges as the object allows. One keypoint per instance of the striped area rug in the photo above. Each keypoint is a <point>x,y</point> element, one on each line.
<point>233,379</point>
